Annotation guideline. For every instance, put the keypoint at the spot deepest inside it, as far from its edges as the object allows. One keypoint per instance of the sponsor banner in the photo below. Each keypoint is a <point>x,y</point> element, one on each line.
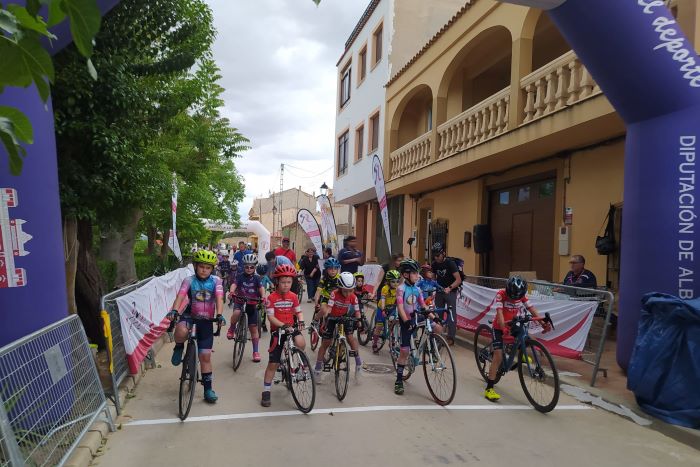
<point>378,177</point>
<point>373,275</point>
<point>572,318</point>
<point>308,223</point>
<point>142,314</point>
<point>172,241</point>
<point>330,237</point>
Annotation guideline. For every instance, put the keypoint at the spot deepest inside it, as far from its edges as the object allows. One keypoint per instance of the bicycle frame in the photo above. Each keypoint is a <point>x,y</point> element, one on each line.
<point>520,343</point>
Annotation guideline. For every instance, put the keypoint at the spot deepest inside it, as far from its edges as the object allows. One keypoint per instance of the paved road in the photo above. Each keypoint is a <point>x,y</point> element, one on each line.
<point>373,426</point>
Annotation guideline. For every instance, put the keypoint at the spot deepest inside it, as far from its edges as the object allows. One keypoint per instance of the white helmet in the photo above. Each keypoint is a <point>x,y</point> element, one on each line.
<point>346,280</point>
<point>250,258</point>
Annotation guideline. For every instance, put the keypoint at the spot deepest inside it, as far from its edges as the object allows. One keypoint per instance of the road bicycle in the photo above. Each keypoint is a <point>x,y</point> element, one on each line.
<point>337,358</point>
<point>364,332</point>
<point>189,376</point>
<point>241,338</point>
<point>430,349</point>
<point>384,328</point>
<point>296,372</point>
<point>536,370</point>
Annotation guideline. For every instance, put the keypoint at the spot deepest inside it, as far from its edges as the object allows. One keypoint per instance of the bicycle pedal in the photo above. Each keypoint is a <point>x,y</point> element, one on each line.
<point>326,368</point>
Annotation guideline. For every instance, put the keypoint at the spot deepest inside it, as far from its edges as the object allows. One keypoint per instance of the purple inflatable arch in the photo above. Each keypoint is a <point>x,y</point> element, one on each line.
<point>651,74</point>
<point>32,274</point>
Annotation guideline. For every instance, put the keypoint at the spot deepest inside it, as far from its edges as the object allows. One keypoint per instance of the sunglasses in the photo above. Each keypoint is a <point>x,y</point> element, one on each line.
<point>394,281</point>
<point>248,267</point>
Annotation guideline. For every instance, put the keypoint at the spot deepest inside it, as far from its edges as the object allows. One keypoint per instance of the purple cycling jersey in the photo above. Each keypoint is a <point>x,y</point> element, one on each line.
<point>248,286</point>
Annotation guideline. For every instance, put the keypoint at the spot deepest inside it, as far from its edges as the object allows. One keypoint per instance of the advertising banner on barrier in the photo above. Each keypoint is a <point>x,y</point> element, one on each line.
<point>572,319</point>
<point>142,314</point>
<point>308,223</point>
<point>330,237</point>
<point>378,177</point>
<point>373,275</point>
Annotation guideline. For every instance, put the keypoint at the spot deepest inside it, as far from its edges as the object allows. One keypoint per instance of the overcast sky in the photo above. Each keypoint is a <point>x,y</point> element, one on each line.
<point>277,58</point>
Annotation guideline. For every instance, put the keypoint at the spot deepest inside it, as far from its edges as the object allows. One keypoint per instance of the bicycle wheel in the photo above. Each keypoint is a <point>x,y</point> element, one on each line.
<point>342,369</point>
<point>262,326</point>
<point>538,376</point>
<point>188,381</point>
<point>302,381</point>
<point>483,351</point>
<point>364,333</point>
<point>314,338</point>
<point>395,342</point>
<point>241,339</point>
<point>439,370</point>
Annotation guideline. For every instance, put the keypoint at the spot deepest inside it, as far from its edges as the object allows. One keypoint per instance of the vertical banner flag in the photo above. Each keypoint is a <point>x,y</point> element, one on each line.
<point>172,241</point>
<point>308,223</point>
<point>330,237</point>
<point>378,177</point>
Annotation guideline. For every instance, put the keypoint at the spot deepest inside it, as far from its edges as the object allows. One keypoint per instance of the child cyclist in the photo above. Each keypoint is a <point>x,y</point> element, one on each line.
<point>509,303</point>
<point>386,305</point>
<point>427,284</point>
<point>327,284</point>
<point>250,290</point>
<point>205,293</point>
<point>409,299</point>
<point>342,302</point>
<point>283,311</point>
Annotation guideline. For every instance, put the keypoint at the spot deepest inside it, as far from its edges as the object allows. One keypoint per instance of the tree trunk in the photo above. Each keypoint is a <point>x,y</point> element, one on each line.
<point>151,233</point>
<point>164,247</point>
<point>70,251</point>
<point>88,286</point>
<point>118,246</point>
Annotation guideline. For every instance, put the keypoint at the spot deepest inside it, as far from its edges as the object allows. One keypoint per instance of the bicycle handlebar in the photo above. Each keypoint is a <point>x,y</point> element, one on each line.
<point>210,320</point>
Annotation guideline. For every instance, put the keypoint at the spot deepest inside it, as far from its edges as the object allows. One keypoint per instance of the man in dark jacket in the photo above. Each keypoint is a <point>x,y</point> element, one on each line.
<point>579,276</point>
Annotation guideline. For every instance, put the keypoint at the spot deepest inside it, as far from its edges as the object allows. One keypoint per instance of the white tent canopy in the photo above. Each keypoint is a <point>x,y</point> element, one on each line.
<point>251,226</point>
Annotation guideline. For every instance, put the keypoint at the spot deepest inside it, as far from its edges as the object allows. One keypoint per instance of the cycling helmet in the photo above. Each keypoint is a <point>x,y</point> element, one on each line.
<point>346,280</point>
<point>392,275</point>
<point>438,248</point>
<point>359,274</point>
<point>409,265</point>
<point>205,257</point>
<point>250,258</point>
<point>285,270</point>
<point>331,263</point>
<point>426,267</point>
<point>516,288</point>
<point>261,269</point>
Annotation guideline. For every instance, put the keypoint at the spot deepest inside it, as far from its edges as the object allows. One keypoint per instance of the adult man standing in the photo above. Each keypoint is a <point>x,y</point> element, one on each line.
<point>579,276</point>
<point>285,251</point>
<point>242,250</point>
<point>312,272</point>
<point>449,279</point>
<point>350,257</point>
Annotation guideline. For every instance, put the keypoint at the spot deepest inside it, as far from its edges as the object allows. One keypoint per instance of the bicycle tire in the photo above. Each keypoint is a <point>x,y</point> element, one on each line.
<point>443,366</point>
<point>342,369</point>
<point>188,381</point>
<point>262,327</point>
<point>483,351</point>
<point>304,406</point>
<point>364,334</point>
<point>395,342</point>
<point>314,338</point>
<point>240,340</point>
<point>540,356</point>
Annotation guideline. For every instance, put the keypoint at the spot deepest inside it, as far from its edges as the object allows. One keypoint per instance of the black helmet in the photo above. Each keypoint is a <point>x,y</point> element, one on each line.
<point>516,288</point>
<point>261,269</point>
<point>409,265</point>
<point>438,248</point>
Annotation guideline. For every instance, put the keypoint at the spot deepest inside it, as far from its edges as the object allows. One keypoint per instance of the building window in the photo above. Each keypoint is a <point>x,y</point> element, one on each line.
<point>345,85</point>
<point>378,33</point>
<point>343,153</point>
<point>359,142</point>
<point>374,132</point>
<point>362,65</point>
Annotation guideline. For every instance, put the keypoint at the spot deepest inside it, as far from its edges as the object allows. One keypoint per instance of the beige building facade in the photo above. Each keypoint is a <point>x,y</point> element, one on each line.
<point>496,122</point>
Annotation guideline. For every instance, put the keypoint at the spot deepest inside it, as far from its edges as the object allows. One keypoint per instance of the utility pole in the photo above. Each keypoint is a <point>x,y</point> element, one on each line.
<point>281,194</point>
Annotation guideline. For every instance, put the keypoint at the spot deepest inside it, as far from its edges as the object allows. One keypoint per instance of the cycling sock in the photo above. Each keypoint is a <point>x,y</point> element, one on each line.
<point>206,381</point>
<point>319,365</point>
<point>267,387</point>
<point>255,344</point>
<point>358,360</point>
<point>399,373</point>
<point>489,384</point>
<point>180,346</point>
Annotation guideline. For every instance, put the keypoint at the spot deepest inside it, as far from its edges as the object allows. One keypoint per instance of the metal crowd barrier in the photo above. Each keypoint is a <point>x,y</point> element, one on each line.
<point>50,394</point>
<point>118,363</point>
<point>597,334</point>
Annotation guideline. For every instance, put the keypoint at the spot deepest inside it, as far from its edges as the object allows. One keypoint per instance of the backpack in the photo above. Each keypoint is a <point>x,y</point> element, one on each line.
<point>459,262</point>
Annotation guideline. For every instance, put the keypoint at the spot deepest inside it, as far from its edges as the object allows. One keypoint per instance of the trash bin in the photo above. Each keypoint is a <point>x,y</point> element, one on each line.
<point>664,372</point>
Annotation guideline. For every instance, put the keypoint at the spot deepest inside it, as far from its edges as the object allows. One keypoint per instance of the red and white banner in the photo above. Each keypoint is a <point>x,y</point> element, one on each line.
<point>572,318</point>
<point>373,275</point>
<point>308,223</point>
<point>142,313</point>
<point>378,177</point>
<point>330,237</point>
<point>172,241</point>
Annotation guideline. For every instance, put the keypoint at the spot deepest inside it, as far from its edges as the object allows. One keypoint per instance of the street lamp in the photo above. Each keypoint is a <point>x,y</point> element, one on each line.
<point>324,189</point>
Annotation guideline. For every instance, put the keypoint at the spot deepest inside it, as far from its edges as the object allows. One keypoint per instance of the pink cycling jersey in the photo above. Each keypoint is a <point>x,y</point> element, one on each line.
<point>202,295</point>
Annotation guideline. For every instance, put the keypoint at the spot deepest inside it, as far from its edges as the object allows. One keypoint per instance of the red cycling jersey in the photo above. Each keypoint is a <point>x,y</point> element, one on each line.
<point>341,305</point>
<point>510,308</point>
<point>284,307</point>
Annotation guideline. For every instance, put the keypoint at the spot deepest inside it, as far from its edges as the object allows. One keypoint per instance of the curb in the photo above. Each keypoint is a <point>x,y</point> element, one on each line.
<point>687,436</point>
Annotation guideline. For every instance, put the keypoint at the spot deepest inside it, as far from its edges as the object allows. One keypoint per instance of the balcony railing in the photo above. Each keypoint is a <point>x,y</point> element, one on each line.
<point>558,84</point>
<point>487,119</point>
<point>410,157</point>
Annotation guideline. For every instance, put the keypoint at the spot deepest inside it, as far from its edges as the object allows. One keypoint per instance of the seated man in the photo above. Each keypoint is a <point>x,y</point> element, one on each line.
<point>579,276</point>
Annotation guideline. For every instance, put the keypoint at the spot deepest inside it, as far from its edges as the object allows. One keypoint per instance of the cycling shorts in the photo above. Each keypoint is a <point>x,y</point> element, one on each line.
<point>205,332</point>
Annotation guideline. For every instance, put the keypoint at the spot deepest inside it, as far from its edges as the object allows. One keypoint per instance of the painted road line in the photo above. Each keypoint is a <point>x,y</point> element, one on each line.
<point>375,408</point>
